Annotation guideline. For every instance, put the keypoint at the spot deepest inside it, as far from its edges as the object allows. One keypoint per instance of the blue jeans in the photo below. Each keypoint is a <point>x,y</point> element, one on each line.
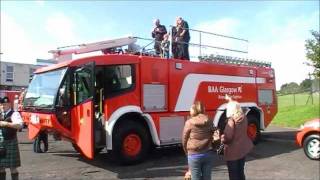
<point>166,54</point>
<point>236,169</point>
<point>201,166</point>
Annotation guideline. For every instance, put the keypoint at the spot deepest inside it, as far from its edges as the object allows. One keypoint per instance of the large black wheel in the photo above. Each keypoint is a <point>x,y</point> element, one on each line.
<point>77,149</point>
<point>98,150</point>
<point>40,144</point>
<point>131,143</point>
<point>311,146</point>
<point>253,130</point>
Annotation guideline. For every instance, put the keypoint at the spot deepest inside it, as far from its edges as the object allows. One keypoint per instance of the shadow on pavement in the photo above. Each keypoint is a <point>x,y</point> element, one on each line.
<point>280,135</point>
<point>171,161</point>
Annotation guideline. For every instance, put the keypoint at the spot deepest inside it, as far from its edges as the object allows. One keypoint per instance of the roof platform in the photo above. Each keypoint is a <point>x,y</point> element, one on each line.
<point>144,47</point>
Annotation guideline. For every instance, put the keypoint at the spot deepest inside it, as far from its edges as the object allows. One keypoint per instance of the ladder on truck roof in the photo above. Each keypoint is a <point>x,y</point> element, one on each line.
<point>66,52</point>
<point>220,59</point>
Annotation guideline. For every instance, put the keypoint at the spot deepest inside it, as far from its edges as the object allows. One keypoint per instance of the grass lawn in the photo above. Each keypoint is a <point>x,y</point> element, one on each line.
<point>294,111</point>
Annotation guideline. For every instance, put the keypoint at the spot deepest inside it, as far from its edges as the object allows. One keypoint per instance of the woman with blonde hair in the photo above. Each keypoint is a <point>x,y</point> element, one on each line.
<point>237,143</point>
<point>196,142</point>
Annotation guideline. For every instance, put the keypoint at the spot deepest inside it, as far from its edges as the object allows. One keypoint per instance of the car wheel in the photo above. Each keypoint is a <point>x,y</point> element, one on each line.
<point>131,143</point>
<point>253,129</point>
<point>311,146</point>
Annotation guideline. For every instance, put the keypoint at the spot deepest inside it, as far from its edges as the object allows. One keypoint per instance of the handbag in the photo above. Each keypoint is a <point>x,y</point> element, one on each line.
<point>220,149</point>
<point>217,145</point>
<point>3,152</point>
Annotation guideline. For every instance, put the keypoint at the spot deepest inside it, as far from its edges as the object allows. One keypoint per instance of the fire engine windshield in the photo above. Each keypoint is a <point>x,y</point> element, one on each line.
<point>43,89</point>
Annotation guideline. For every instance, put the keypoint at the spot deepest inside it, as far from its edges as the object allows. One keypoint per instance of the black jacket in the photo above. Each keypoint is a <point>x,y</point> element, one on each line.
<point>8,133</point>
<point>186,36</point>
<point>158,34</point>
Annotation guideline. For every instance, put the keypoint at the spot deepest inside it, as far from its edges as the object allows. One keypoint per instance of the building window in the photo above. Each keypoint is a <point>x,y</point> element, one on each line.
<point>9,74</point>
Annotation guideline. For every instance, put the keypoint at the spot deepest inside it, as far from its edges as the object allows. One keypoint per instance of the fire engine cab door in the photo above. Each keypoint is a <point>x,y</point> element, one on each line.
<point>82,113</point>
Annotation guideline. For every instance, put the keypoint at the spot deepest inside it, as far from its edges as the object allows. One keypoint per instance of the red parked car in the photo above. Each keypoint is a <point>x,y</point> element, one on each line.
<point>308,137</point>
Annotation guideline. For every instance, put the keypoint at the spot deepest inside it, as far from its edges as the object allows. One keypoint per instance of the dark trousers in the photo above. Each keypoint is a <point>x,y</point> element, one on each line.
<point>157,47</point>
<point>236,169</point>
<point>174,50</point>
<point>183,50</point>
<point>180,51</point>
<point>186,51</point>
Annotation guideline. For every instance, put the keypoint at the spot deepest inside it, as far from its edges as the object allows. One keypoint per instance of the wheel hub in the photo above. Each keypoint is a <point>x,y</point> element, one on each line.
<point>314,148</point>
<point>42,146</point>
<point>132,145</point>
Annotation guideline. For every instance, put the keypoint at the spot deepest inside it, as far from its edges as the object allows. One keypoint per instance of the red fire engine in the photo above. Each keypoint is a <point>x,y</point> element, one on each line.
<point>129,102</point>
<point>11,94</point>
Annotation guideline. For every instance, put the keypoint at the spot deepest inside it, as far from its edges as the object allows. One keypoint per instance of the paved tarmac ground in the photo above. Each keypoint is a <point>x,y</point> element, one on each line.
<point>275,157</point>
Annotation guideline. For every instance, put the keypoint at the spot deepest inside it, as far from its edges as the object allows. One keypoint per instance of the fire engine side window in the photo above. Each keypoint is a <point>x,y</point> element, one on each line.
<point>83,85</point>
<point>118,78</point>
<point>265,96</point>
<point>64,98</point>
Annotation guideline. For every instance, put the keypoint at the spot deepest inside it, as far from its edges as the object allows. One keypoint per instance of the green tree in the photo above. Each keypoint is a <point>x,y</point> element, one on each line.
<point>313,52</point>
<point>306,84</point>
<point>289,88</point>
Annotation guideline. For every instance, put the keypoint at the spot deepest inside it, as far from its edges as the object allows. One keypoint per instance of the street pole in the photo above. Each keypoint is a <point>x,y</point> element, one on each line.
<point>311,89</point>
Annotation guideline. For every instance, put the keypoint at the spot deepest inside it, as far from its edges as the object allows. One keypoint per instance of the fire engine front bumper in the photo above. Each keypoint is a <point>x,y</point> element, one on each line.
<point>39,122</point>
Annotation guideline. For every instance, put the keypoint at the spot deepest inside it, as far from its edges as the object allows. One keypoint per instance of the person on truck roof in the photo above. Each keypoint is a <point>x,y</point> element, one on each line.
<point>158,32</point>
<point>184,36</point>
<point>165,46</point>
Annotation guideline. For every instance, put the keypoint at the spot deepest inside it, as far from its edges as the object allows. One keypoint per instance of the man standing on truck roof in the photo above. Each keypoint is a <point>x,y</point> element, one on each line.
<point>185,37</point>
<point>158,32</point>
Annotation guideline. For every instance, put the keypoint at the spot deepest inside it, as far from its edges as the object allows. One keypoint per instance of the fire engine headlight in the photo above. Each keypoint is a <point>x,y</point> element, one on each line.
<point>34,119</point>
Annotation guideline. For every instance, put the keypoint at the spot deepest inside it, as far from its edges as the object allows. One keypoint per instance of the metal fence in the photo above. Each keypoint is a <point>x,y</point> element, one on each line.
<point>207,46</point>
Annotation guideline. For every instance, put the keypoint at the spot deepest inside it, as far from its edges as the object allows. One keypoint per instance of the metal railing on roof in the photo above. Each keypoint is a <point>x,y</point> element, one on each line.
<point>212,58</point>
<point>201,45</point>
<point>145,49</point>
<point>220,59</point>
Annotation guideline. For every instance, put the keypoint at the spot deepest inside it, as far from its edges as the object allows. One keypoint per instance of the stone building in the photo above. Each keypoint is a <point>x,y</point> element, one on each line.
<point>14,76</point>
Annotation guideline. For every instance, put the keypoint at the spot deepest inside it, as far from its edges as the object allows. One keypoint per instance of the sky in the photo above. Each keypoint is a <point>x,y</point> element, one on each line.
<point>276,30</point>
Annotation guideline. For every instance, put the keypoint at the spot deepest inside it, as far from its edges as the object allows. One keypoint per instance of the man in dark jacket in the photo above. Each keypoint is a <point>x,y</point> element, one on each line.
<point>185,36</point>
<point>174,43</point>
<point>158,32</point>
<point>10,122</point>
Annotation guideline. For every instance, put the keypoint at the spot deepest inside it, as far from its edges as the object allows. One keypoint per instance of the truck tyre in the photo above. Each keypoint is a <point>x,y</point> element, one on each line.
<point>131,143</point>
<point>311,146</point>
<point>253,130</point>
<point>98,150</point>
<point>78,150</point>
<point>40,143</point>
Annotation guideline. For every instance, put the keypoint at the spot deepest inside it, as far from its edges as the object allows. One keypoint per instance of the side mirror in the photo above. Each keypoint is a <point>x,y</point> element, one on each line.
<point>79,69</point>
<point>62,91</point>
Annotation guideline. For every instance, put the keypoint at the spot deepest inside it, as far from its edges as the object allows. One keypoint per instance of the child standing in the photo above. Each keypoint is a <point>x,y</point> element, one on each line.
<point>165,45</point>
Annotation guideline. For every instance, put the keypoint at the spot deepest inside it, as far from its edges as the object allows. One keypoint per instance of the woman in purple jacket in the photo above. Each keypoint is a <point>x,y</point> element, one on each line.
<point>236,140</point>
